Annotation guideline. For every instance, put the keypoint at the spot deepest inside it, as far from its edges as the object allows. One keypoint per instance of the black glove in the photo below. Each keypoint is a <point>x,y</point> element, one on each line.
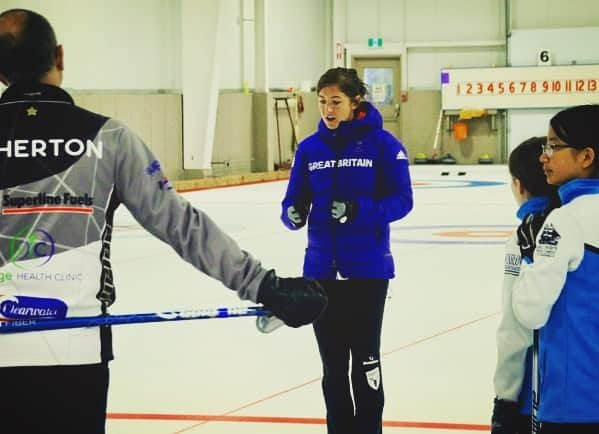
<point>297,301</point>
<point>527,233</point>
<point>343,211</point>
<point>506,416</point>
<point>298,214</point>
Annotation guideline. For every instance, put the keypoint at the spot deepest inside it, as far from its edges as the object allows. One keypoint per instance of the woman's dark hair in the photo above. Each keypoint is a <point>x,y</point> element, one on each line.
<point>29,53</point>
<point>579,127</point>
<point>524,164</point>
<point>346,79</point>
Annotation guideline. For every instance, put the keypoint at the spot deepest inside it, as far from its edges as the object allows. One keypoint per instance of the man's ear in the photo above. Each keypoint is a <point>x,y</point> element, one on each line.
<point>59,58</point>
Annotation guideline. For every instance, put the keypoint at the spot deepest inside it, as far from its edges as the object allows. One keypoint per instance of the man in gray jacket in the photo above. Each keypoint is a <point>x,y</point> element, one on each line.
<point>63,172</point>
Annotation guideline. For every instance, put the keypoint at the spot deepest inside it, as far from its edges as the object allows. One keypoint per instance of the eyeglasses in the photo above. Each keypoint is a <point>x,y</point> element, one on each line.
<point>549,148</point>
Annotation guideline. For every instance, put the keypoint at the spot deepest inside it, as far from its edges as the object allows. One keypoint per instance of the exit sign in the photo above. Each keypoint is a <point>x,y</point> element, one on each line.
<point>375,42</point>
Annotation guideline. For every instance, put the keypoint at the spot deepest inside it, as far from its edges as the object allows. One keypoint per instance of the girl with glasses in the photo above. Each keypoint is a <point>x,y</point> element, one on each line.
<point>557,293</point>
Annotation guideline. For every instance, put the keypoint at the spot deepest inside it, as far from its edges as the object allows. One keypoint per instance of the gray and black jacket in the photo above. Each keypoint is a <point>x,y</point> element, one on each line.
<point>63,172</point>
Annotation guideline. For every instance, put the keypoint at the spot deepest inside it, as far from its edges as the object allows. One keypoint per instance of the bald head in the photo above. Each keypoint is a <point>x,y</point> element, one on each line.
<point>11,22</point>
<point>28,49</point>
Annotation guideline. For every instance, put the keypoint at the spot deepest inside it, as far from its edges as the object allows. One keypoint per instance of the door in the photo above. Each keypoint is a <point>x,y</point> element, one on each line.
<point>382,75</point>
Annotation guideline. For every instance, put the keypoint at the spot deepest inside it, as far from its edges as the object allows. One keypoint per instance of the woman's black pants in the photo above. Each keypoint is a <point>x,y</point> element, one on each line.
<point>351,325</point>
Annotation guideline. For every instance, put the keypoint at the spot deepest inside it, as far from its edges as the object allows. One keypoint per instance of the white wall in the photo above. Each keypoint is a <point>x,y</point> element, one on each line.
<point>456,20</point>
<point>525,123</point>
<point>539,14</point>
<point>230,32</point>
<point>574,45</point>
<point>425,64</point>
<point>136,44</point>
<point>296,42</point>
<point>428,34</point>
<point>114,44</point>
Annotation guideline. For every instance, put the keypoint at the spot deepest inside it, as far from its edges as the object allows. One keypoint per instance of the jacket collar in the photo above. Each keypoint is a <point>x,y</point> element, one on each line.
<point>531,206</point>
<point>578,187</point>
<point>28,92</point>
<point>366,118</point>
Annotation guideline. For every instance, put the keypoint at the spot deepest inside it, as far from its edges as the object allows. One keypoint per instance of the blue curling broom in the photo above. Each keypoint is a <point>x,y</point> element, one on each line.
<point>27,325</point>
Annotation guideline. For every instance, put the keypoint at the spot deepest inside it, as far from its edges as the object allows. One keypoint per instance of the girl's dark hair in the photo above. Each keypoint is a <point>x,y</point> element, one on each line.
<point>524,164</point>
<point>579,127</point>
<point>30,53</point>
<point>346,79</point>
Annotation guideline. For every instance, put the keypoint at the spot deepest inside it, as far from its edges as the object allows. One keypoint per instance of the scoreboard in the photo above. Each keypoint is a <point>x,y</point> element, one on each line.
<point>519,87</point>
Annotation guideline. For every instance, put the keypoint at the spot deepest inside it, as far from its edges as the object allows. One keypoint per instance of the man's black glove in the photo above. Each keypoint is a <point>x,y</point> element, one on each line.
<point>343,211</point>
<point>527,234</point>
<point>297,301</point>
<point>506,416</point>
<point>298,214</point>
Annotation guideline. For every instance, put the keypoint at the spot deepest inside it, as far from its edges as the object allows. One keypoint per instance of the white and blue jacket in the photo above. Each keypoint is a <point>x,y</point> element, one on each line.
<point>558,294</point>
<point>512,379</point>
<point>360,162</point>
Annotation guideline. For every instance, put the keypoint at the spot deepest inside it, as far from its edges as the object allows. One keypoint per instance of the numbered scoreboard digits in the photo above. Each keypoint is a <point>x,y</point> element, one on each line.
<point>544,57</point>
<point>521,87</point>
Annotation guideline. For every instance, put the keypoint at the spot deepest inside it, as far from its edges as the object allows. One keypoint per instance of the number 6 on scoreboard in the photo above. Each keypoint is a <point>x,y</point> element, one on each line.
<point>544,57</point>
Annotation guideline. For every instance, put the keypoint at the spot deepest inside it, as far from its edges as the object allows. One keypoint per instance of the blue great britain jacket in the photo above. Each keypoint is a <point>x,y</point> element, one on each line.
<point>360,162</point>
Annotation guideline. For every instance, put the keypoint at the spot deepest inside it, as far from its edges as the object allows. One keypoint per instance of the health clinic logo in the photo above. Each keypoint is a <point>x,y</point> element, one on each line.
<point>36,247</point>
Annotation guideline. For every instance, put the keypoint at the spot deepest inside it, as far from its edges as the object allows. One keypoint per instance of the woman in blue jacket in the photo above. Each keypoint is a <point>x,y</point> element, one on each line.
<point>349,180</point>
<point>557,293</point>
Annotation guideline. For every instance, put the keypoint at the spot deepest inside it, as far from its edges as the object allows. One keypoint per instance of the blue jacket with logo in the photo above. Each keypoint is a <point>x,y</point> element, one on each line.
<point>558,294</point>
<point>359,162</point>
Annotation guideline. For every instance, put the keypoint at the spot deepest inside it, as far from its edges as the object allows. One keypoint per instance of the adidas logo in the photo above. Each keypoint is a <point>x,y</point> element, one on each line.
<point>401,155</point>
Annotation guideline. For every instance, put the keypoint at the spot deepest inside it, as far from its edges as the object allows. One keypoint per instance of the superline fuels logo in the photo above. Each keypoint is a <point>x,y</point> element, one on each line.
<point>43,203</point>
<point>36,247</point>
